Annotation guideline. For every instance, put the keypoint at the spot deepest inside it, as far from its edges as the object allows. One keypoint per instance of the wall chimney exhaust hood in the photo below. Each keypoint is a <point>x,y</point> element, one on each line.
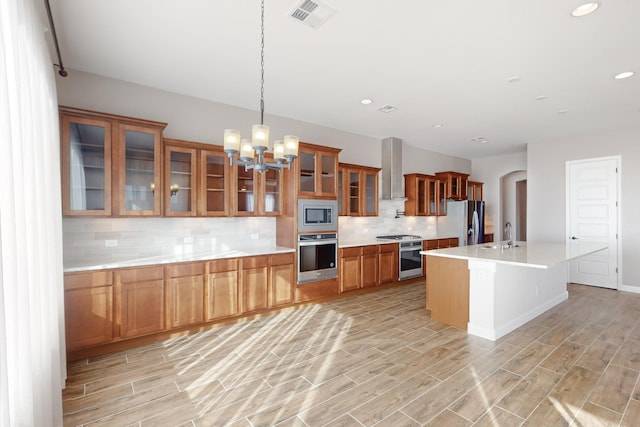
<point>392,178</point>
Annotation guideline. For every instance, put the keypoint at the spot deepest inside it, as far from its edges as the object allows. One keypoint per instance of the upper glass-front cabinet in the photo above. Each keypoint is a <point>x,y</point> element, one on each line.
<point>139,190</point>
<point>180,181</point>
<point>110,164</point>
<point>317,171</point>
<point>215,183</point>
<point>86,166</point>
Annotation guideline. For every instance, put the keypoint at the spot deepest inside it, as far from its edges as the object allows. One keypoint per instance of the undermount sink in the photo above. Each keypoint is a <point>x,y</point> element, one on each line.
<point>500,246</point>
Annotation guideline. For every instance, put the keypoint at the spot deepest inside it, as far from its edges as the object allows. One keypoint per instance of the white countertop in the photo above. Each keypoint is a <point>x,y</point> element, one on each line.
<point>181,254</point>
<point>369,240</point>
<point>526,254</point>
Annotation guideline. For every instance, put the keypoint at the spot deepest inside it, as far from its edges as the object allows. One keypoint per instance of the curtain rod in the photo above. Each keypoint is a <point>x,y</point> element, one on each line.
<point>60,65</point>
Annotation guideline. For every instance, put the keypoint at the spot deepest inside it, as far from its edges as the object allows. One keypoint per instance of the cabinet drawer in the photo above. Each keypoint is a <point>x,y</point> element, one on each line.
<point>351,252</point>
<point>255,262</point>
<point>370,249</point>
<point>141,274</point>
<point>430,244</point>
<point>443,243</point>
<point>453,242</point>
<point>282,259</point>
<point>87,280</point>
<point>226,264</point>
<point>185,270</point>
<point>388,247</point>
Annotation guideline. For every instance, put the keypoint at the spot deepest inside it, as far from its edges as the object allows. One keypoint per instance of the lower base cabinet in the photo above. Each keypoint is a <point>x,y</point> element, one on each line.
<point>107,306</point>
<point>222,289</point>
<point>371,265</point>
<point>88,302</point>
<point>140,301</point>
<point>254,272</point>
<point>282,280</point>
<point>185,302</point>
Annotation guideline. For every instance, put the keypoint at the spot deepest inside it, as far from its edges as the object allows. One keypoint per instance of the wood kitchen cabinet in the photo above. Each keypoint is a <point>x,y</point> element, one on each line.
<point>370,265</point>
<point>425,195</point>
<point>214,182</point>
<point>316,169</point>
<point>185,299</point>
<point>222,289</point>
<point>180,169</point>
<point>358,190</point>
<point>474,190</point>
<point>254,282</point>
<point>427,245</point>
<point>282,280</point>
<point>110,164</point>
<point>88,302</point>
<point>456,184</point>
<point>416,191</point>
<point>257,193</point>
<point>387,263</point>
<point>350,268</point>
<point>140,301</point>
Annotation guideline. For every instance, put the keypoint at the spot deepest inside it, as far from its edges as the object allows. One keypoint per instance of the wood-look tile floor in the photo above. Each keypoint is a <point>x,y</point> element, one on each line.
<point>376,359</point>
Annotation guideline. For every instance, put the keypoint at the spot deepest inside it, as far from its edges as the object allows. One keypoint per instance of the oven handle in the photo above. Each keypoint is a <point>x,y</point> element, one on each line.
<point>317,242</point>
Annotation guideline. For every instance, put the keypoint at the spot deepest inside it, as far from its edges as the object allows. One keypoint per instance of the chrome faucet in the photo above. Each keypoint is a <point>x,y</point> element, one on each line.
<point>507,234</point>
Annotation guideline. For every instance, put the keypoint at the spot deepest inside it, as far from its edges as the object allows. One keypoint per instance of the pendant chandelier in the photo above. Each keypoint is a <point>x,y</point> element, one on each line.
<point>252,151</point>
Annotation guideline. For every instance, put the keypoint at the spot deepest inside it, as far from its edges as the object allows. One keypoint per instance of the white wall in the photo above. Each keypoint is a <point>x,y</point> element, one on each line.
<point>546,190</point>
<point>490,170</point>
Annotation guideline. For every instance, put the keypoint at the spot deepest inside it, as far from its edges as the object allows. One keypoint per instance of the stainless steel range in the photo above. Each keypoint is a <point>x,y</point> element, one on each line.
<point>410,260</point>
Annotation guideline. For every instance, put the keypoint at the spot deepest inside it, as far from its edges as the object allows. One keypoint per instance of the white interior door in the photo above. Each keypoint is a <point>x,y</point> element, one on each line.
<point>592,216</point>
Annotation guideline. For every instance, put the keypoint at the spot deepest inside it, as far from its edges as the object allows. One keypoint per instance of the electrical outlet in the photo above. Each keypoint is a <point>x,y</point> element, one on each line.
<point>110,243</point>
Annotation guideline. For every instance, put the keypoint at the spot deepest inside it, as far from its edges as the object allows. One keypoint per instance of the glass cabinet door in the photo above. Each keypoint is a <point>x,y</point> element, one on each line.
<point>307,172</point>
<point>354,193</point>
<point>139,175</point>
<point>371,193</point>
<point>245,191</point>
<point>432,197</point>
<point>86,170</point>
<point>179,183</point>
<point>215,185</point>
<point>328,174</point>
<point>271,190</point>
<point>442,186</point>
<point>421,209</point>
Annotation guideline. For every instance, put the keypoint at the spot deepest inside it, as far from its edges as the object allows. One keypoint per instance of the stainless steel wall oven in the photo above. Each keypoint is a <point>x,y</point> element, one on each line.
<point>317,257</point>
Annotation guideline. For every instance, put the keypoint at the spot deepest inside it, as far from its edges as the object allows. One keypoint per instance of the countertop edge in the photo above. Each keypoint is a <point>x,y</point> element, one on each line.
<point>172,259</point>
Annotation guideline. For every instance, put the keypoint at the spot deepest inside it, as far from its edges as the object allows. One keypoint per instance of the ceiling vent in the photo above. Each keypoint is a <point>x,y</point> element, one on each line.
<point>311,13</point>
<point>387,108</point>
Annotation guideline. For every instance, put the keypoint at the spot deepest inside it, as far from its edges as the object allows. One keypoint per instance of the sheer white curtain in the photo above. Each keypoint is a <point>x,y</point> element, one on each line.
<point>31,290</point>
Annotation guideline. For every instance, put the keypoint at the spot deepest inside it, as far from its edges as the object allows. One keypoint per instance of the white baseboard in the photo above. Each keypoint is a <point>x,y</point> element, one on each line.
<point>633,289</point>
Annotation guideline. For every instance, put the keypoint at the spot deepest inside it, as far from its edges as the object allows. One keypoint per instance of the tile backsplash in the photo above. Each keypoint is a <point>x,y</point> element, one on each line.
<point>357,228</point>
<point>120,239</point>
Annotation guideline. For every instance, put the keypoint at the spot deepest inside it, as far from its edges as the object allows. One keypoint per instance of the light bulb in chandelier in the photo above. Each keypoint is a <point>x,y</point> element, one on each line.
<point>260,137</point>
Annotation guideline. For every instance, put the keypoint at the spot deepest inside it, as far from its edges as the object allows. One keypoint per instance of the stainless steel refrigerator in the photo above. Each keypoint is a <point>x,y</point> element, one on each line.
<point>467,217</point>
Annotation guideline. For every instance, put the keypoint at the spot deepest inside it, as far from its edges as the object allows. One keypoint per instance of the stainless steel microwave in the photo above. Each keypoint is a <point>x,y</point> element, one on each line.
<point>317,215</point>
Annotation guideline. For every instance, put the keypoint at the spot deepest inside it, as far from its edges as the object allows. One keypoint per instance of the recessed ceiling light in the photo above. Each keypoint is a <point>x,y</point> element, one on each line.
<point>438,125</point>
<point>541,97</point>
<point>366,101</point>
<point>562,111</point>
<point>585,9</point>
<point>513,79</point>
<point>624,75</point>
<point>479,139</point>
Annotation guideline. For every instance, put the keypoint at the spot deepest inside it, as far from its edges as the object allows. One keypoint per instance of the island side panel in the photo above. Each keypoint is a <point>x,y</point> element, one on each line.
<point>448,290</point>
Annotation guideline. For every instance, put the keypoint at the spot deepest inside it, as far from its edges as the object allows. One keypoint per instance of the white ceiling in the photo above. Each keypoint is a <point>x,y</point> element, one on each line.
<point>446,61</point>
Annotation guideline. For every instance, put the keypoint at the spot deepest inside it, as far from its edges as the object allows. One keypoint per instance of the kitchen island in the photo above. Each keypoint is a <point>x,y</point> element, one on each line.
<point>492,289</point>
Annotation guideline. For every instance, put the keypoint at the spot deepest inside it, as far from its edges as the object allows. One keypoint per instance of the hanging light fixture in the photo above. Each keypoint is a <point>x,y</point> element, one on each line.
<point>284,151</point>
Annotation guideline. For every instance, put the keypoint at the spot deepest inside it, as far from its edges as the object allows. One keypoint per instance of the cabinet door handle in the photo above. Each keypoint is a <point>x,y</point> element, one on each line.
<point>574,238</point>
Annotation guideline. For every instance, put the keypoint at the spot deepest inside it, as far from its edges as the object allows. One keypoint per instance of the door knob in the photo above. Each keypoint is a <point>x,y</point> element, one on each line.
<point>574,238</point>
